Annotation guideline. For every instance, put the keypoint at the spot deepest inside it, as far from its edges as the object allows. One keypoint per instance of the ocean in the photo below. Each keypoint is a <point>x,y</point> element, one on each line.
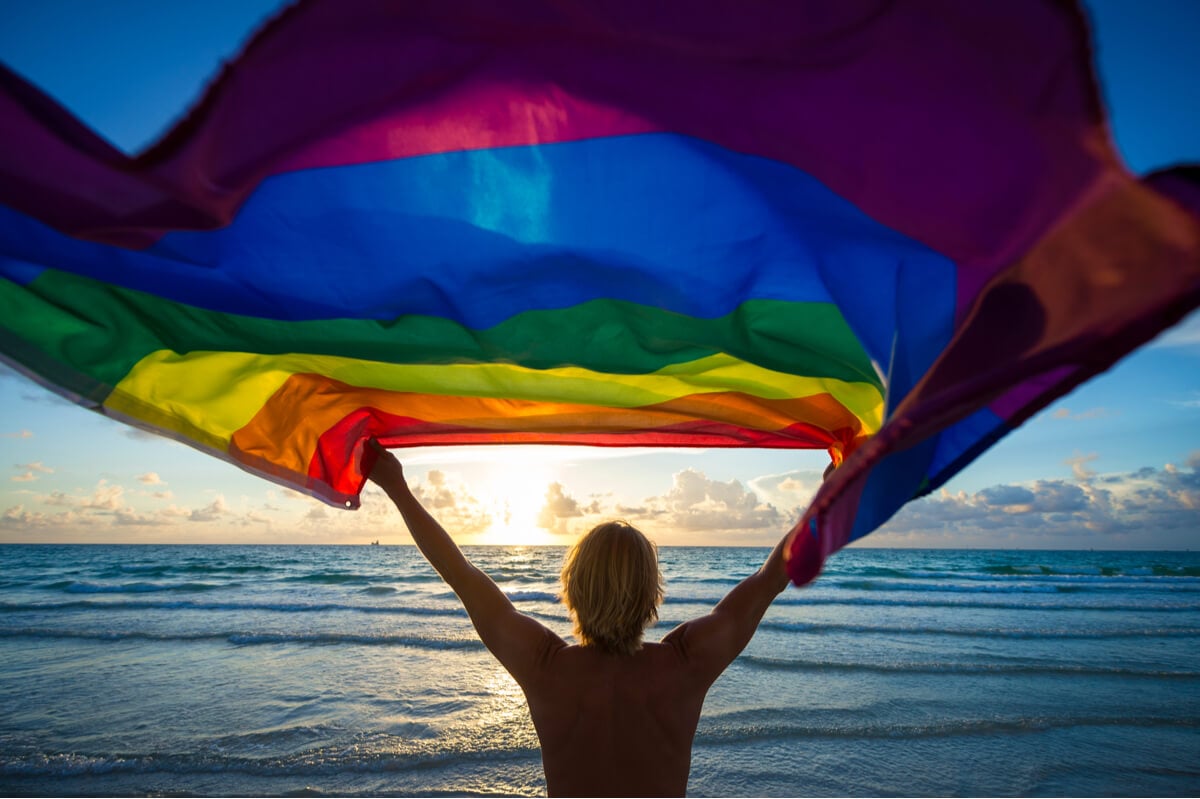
<point>324,670</point>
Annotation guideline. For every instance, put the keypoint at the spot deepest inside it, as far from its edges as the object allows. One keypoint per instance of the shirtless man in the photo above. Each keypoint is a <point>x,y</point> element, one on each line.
<point>615,716</point>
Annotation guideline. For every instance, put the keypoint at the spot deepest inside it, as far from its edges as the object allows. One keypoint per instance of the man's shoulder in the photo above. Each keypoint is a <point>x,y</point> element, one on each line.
<point>649,651</point>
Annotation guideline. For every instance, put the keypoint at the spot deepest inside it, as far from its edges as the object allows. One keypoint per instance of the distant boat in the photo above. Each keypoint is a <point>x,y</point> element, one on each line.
<point>374,543</point>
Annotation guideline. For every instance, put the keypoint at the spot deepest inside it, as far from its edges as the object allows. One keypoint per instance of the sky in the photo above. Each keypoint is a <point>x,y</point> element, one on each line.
<point>1113,465</point>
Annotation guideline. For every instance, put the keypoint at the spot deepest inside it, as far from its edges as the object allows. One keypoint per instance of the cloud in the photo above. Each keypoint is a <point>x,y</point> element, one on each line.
<point>254,517</point>
<point>17,518</point>
<point>698,504</point>
<point>105,497</point>
<point>150,479</point>
<point>435,493</point>
<point>1057,496</point>
<point>17,513</point>
<point>560,507</point>
<point>59,498</point>
<point>1193,401</point>
<point>18,434</point>
<point>1079,466</point>
<point>1090,413</point>
<point>210,512</point>
<point>448,498</point>
<point>1005,496</point>
<point>789,491</point>
<point>31,471</point>
<point>128,517</point>
<point>1146,508</point>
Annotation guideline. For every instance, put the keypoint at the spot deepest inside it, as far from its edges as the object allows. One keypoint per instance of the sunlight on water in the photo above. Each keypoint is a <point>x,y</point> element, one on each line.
<point>506,701</point>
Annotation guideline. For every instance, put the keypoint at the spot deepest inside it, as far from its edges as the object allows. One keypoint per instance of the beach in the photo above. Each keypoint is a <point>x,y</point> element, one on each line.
<point>327,670</point>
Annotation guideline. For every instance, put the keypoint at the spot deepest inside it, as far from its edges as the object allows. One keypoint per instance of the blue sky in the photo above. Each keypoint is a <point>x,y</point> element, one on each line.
<point>1116,464</point>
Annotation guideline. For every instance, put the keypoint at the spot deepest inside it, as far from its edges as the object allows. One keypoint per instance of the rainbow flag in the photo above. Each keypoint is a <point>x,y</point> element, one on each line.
<point>893,234</point>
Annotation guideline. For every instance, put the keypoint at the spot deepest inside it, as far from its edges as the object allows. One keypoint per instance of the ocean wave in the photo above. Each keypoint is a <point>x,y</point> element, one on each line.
<point>744,726</point>
<point>1154,570</point>
<point>808,599</point>
<point>1138,575</point>
<point>76,587</point>
<point>689,580</point>
<point>241,638</point>
<point>531,596</point>
<point>328,578</point>
<point>266,607</point>
<point>204,568</point>
<point>1020,571</point>
<point>118,570</point>
<point>1036,586</point>
<point>982,604</point>
<point>818,628</point>
<point>519,576</point>
<point>305,763</point>
<point>1024,669</point>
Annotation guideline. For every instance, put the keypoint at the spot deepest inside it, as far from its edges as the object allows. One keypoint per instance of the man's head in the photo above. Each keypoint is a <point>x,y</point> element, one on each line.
<point>612,586</point>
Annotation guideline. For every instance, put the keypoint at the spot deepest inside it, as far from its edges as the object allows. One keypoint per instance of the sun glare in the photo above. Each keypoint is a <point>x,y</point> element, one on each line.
<point>515,496</point>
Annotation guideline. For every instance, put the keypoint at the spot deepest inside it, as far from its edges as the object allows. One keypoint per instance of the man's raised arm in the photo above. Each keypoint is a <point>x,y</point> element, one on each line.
<point>712,642</point>
<point>516,640</point>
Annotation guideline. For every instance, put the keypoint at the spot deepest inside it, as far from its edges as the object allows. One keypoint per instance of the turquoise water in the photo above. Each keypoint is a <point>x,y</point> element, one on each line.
<point>244,670</point>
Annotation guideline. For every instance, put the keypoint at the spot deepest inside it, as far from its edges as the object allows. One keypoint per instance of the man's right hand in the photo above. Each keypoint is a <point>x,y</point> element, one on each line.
<point>387,471</point>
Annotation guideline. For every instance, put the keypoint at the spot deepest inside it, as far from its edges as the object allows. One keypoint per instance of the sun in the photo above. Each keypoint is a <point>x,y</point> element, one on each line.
<point>516,494</point>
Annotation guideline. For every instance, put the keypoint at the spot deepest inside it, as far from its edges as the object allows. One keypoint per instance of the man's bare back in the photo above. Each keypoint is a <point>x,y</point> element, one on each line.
<point>615,725</point>
<point>610,724</point>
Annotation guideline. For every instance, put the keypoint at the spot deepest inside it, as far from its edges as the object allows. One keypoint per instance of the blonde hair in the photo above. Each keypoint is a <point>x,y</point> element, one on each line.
<point>612,587</point>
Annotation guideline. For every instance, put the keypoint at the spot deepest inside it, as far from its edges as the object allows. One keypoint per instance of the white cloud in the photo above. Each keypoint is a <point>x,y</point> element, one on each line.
<point>105,497</point>
<point>1193,401</point>
<point>1090,413</point>
<point>1006,496</point>
<point>17,518</point>
<point>1149,508</point>
<point>1079,466</point>
<point>696,503</point>
<point>450,501</point>
<point>210,512</point>
<point>254,517</point>
<point>560,507</point>
<point>59,498</point>
<point>435,493</point>
<point>150,479</point>
<point>17,513</point>
<point>173,511</point>
<point>30,471</point>
<point>789,491</point>
<point>128,517</point>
